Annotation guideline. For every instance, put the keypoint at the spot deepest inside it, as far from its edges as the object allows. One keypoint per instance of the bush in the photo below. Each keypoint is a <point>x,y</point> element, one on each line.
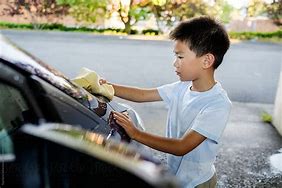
<point>16,26</point>
<point>255,35</point>
<point>266,117</point>
<point>60,27</point>
<point>150,32</point>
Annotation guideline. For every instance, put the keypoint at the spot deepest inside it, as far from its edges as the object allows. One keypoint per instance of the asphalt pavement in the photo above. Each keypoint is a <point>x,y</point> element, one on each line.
<point>248,145</point>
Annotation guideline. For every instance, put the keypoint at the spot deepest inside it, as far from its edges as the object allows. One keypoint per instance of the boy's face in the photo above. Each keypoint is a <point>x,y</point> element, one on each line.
<point>188,65</point>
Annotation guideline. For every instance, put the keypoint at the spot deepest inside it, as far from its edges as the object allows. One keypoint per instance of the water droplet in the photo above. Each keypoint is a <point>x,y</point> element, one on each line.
<point>16,78</point>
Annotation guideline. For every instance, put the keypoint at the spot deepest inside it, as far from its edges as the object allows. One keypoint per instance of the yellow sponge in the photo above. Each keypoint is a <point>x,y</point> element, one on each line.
<point>89,80</point>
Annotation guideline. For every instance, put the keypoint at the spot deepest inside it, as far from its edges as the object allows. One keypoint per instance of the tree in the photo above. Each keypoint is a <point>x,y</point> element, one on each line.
<point>86,10</point>
<point>222,10</point>
<point>172,11</point>
<point>189,8</point>
<point>35,9</point>
<point>256,8</point>
<point>130,11</point>
<point>274,11</point>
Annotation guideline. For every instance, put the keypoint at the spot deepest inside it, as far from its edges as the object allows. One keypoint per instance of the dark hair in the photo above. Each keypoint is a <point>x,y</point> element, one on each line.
<point>203,35</point>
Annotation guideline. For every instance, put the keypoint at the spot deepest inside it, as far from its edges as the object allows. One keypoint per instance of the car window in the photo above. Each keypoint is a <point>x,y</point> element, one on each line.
<point>13,108</point>
<point>14,112</point>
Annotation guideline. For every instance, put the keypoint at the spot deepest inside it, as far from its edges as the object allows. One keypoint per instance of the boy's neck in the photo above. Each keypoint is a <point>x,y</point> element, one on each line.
<point>203,84</point>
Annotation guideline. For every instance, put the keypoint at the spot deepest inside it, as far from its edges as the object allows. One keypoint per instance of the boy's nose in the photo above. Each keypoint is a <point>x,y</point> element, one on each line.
<point>175,63</point>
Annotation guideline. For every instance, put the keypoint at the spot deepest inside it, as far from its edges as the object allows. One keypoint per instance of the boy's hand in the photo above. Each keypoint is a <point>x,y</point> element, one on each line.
<point>125,122</point>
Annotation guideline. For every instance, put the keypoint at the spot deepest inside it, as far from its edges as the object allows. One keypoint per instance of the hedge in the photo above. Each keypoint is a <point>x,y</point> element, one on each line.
<point>255,35</point>
<point>60,27</point>
<point>233,35</point>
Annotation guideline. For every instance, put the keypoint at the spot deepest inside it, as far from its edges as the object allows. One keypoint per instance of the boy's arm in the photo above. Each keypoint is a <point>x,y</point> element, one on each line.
<point>178,147</point>
<point>136,94</point>
<point>173,146</point>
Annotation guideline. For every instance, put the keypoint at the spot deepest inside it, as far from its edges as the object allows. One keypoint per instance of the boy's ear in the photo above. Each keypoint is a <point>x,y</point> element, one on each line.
<point>208,61</point>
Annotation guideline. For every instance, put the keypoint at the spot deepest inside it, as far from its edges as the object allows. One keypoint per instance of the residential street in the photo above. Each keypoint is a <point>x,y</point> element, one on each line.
<point>249,74</point>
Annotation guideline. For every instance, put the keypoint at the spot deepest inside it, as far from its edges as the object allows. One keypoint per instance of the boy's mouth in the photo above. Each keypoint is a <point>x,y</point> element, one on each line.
<point>178,73</point>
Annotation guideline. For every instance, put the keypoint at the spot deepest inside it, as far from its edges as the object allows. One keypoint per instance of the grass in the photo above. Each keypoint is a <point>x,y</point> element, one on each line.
<point>266,117</point>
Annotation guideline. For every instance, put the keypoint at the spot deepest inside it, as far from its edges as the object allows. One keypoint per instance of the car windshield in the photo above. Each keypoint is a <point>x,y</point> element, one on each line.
<point>32,65</point>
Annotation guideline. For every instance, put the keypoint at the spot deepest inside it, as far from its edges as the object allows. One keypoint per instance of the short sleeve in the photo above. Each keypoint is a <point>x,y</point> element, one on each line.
<point>166,91</point>
<point>212,121</point>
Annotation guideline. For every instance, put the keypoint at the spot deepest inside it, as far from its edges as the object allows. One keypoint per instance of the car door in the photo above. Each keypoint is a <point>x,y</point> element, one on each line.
<point>20,163</point>
<point>27,161</point>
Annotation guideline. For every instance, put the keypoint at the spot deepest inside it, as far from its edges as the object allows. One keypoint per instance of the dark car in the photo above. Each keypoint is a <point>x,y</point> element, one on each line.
<point>54,133</point>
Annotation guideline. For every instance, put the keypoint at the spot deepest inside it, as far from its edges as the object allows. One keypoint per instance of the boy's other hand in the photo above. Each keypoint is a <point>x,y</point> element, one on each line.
<point>125,122</point>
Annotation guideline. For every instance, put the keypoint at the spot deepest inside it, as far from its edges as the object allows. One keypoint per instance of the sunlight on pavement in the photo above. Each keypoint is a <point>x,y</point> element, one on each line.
<point>276,162</point>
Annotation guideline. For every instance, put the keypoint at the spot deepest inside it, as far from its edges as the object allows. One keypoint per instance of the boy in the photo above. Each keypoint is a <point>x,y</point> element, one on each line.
<point>198,105</point>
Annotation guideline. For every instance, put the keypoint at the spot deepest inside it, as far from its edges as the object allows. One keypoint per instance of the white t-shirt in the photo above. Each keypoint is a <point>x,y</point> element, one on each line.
<point>204,112</point>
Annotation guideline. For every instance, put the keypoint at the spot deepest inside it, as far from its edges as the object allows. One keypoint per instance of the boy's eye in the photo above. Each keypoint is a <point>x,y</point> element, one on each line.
<point>178,56</point>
